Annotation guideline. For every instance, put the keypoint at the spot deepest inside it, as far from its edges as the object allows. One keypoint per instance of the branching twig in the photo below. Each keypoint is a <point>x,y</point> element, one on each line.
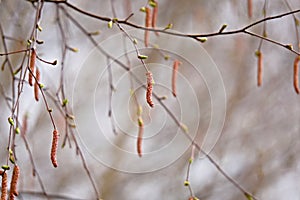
<point>160,101</point>
<point>193,36</point>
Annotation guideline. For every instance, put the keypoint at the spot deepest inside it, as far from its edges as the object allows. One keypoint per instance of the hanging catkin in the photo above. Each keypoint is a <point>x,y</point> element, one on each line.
<point>174,76</point>
<point>149,89</point>
<point>296,74</point>
<point>54,148</point>
<point>4,186</point>
<point>154,16</point>
<point>259,69</point>
<point>36,84</point>
<point>140,136</point>
<point>31,66</point>
<point>14,181</point>
<point>147,25</point>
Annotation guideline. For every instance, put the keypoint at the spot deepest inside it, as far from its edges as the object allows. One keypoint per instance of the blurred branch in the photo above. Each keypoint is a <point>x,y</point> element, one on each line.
<point>50,196</point>
<point>34,169</point>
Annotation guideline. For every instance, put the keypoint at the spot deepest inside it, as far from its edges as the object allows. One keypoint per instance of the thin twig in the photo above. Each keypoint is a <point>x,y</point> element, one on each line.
<point>160,101</point>
<point>193,36</point>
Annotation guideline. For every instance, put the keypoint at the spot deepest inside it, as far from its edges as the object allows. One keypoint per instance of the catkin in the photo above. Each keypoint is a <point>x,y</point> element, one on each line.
<point>140,136</point>
<point>31,66</point>
<point>249,8</point>
<point>14,182</point>
<point>147,25</point>
<point>296,74</point>
<point>11,196</point>
<point>54,148</point>
<point>154,16</point>
<point>36,84</point>
<point>149,89</point>
<point>4,186</point>
<point>259,69</point>
<point>174,76</point>
<point>24,124</point>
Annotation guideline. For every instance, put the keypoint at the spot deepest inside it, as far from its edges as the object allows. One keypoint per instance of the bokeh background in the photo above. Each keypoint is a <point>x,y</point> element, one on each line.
<point>256,133</point>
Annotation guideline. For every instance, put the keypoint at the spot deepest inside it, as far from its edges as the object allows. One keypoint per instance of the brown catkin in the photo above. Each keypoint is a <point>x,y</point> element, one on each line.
<point>296,74</point>
<point>259,69</point>
<point>149,89</point>
<point>14,182</point>
<point>140,136</point>
<point>31,66</point>
<point>36,84</point>
<point>24,124</point>
<point>11,196</point>
<point>154,16</point>
<point>174,76</point>
<point>147,25</point>
<point>249,8</point>
<point>54,148</point>
<point>4,186</point>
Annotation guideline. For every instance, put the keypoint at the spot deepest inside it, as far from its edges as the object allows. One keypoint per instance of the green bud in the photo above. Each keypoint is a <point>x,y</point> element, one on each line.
<point>152,3</point>
<point>163,98</point>
<point>184,128</point>
<point>72,117</point>
<point>143,57</point>
<point>17,130</point>
<point>12,159</point>
<point>222,28</point>
<point>186,183</point>
<point>65,102</point>
<point>297,22</point>
<point>110,24</point>
<point>39,28</point>
<point>248,196</point>
<point>169,26</point>
<point>202,39</point>
<point>257,53</point>
<point>39,41</point>
<point>5,167</point>
<point>289,46</point>
<point>140,121</point>
<point>131,92</point>
<point>29,42</point>
<point>94,33</point>
<point>11,121</point>
<point>74,49</point>
<point>143,9</point>
<point>265,34</point>
<point>17,71</point>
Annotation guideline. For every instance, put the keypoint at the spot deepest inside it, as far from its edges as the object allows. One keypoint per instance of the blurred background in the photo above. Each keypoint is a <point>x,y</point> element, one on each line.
<point>251,132</point>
